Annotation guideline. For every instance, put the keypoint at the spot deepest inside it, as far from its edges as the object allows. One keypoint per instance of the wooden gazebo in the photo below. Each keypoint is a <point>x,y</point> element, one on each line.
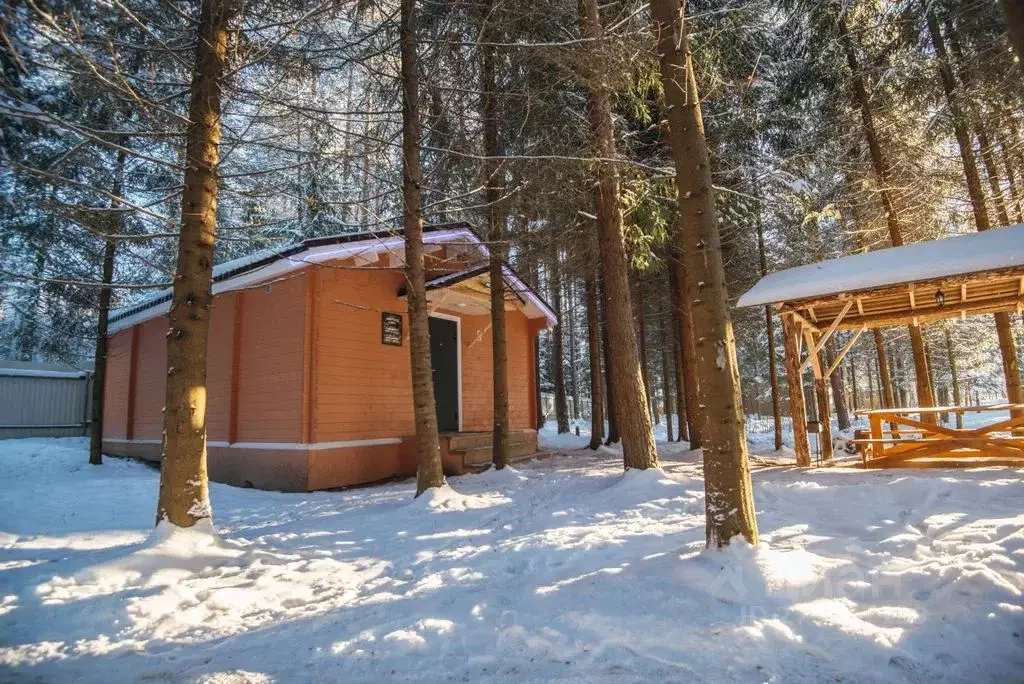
<point>979,273</point>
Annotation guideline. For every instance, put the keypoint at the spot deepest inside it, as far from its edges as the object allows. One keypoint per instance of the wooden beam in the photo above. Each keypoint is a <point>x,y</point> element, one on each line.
<point>825,336</point>
<point>842,352</point>
<point>785,309</point>
<point>974,308</point>
<point>812,355</point>
<point>913,304</point>
<point>947,283</point>
<point>835,324</point>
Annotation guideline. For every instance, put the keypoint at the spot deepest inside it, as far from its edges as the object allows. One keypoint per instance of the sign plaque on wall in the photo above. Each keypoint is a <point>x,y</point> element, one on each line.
<point>391,329</point>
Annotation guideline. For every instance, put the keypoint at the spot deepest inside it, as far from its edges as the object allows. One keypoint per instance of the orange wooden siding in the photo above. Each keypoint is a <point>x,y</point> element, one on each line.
<point>115,417</point>
<point>363,388</point>
<point>301,361</point>
<point>150,379</point>
<point>270,365</point>
<point>477,391</point>
<point>218,367</point>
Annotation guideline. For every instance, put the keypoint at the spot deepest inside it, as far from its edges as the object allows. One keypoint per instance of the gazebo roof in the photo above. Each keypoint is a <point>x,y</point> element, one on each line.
<point>957,276</point>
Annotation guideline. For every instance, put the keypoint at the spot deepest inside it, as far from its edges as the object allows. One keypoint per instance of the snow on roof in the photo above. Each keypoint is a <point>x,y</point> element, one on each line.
<point>973,253</point>
<point>512,281</point>
<point>275,261</point>
<point>32,369</point>
<point>28,373</point>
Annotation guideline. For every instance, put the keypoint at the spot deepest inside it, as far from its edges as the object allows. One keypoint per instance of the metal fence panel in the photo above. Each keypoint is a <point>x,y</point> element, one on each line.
<point>43,403</point>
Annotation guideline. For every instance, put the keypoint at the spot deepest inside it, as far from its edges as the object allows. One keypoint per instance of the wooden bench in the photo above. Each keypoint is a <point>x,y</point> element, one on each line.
<point>864,443</point>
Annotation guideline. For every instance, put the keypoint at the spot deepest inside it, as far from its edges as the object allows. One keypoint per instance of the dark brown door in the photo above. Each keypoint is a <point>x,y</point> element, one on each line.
<point>444,356</point>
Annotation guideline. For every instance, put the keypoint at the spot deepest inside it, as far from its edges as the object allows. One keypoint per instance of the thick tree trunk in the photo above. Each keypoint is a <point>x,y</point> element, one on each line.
<point>594,349</point>
<point>729,497</point>
<point>885,192</point>
<point>429,472</point>
<point>558,343</point>
<point>667,353</point>
<point>794,381</point>
<point>769,321</point>
<point>954,378</point>
<point>496,221</point>
<point>631,411</point>
<point>1004,329</point>
<point>184,496</point>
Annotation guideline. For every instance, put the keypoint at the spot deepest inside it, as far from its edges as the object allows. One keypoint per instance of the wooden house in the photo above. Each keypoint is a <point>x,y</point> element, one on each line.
<point>308,369</point>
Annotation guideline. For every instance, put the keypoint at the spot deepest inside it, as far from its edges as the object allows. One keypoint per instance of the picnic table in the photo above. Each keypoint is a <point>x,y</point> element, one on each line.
<point>910,442</point>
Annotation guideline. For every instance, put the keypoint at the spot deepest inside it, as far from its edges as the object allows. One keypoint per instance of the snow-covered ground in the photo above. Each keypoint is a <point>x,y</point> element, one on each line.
<point>563,570</point>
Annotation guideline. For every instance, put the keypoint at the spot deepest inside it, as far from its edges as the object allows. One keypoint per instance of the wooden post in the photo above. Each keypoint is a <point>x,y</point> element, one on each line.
<point>797,409</point>
<point>821,394</point>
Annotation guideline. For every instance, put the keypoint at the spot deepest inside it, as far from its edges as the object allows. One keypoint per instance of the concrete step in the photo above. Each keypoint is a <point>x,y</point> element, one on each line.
<point>464,441</point>
<point>482,455</point>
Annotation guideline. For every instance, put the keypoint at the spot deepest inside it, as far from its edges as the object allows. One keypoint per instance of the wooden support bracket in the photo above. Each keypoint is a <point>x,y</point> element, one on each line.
<point>844,351</point>
<point>812,355</point>
<point>803,322</point>
<point>824,337</point>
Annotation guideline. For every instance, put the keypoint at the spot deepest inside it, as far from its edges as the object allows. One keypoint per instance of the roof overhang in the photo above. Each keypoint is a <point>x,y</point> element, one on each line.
<point>365,248</point>
<point>469,291</point>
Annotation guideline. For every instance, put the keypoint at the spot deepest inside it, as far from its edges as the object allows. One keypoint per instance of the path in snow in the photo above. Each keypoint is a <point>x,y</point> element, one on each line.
<point>562,570</point>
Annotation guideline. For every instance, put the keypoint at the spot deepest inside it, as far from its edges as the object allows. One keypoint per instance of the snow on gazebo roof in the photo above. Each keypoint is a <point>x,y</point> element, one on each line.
<point>992,250</point>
